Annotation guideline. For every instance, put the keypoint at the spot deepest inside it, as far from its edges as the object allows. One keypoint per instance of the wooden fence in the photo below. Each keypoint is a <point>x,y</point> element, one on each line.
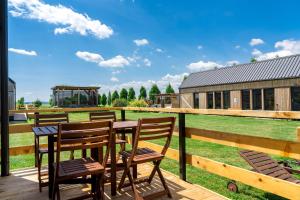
<point>290,149</point>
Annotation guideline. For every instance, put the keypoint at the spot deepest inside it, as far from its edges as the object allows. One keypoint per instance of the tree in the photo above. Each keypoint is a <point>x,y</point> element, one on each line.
<point>123,94</point>
<point>21,102</point>
<point>99,99</point>
<point>51,103</point>
<point>185,77</point>
<point>253,60</point>
<point>104,100</point>
<point>131,94</point>
<point>114,96</point>
<point>169,89</point>
<point>143,93</point>
<point>109,98</point>
<point>153,91</point>
<point>37,103</point>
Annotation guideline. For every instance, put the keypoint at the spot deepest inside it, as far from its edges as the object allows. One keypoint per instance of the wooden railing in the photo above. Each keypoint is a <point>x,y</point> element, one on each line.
<point>290,149</point>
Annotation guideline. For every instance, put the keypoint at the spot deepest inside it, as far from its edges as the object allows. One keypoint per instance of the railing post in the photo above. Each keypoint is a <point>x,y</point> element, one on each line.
<point>182,149</point>
<point>298,134</point>
<point>4,90</point>
<point>123,115</point>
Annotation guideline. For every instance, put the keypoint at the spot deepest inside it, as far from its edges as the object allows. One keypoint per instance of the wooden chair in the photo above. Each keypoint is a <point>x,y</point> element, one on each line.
<point>45,120</point>
<point>77,136</point>
<point>148,129</point>
<point>108,115</point>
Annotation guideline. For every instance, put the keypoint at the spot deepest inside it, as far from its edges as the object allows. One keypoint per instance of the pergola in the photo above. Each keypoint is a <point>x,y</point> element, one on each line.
<point>75,96</point>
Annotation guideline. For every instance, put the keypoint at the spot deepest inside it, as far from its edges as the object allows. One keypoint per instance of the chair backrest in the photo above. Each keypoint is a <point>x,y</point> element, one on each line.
<point>50,119</point>
<point>85,135</point>
<point>101,116</point>
<point>155,128</point>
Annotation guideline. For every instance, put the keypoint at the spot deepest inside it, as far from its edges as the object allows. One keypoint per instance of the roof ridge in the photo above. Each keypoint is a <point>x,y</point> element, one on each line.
<point>239,65</point>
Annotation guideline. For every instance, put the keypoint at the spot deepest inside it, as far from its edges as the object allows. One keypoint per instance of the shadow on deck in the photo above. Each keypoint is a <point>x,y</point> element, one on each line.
<point>22,184</point>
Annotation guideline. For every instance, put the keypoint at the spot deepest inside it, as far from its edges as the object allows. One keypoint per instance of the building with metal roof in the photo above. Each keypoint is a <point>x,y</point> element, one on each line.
<point>263,85</point>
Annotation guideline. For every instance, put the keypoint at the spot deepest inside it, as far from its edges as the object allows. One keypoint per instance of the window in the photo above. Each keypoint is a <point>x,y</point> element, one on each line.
<point>196,100</point>
<point>226,99</point>
<point>256,99</point>
<point>218,100</point>
<point>210,100</point>
<point>269,99</point>
<point>295,98</point>
<point>245,99</point>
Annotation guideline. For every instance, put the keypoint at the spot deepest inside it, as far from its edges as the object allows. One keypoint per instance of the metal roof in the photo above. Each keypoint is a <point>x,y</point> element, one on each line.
<point>69,87</point>
<point>277,68</point>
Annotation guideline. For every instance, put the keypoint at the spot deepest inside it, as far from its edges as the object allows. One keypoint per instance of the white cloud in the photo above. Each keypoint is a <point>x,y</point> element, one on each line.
<point>67,20</point>
<point>283,48</point>
<point>199,47</point>
<point>141,42</point>
<point>23,52</point>
<point>256,52</point>
<point>89,57</point>
<point>232,62</point>
<point>256,41</point>
<point>203,66</point>
<point>237,46</point>
<point>114,79</point>
<point>162,83</point>
<point>115,62</point>
<point>147,62</point>
<point>159,50</point>
<point>116,72</point>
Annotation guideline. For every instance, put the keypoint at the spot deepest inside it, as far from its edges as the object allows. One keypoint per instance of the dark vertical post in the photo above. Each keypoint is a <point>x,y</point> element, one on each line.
<point>123,116</point>
<point>4,89</point>
<point>182,154</point>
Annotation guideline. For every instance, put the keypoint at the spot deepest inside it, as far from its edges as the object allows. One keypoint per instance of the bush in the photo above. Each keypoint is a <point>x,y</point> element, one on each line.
<point>37,103</point>
<point>120,103</point>
<point>138,103</point>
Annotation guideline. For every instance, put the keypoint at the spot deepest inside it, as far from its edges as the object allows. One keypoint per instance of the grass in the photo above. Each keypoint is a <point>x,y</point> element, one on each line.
<point>278,129</point>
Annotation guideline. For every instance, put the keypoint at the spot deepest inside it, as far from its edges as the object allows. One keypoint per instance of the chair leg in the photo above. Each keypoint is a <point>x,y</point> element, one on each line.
<point>40,160</point>
<point>153,172</point>
<point>137,196</point>
<point>163,181</point>
<point>36,151</point>
<point>123,178</point>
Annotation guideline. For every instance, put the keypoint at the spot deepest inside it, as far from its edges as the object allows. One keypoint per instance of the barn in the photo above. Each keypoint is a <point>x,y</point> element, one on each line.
<point>272,84</point>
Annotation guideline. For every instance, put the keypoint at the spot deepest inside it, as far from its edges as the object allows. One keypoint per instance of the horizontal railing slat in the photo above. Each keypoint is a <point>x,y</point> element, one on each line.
<point>284,148</point>
<point>242,113</point>
<point>267,183</point>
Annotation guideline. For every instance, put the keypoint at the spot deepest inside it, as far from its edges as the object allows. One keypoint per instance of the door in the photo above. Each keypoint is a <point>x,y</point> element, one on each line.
<point>295,98</point>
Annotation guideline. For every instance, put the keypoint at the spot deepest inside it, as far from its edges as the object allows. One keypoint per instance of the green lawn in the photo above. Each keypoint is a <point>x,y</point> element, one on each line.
<point>279,129</point>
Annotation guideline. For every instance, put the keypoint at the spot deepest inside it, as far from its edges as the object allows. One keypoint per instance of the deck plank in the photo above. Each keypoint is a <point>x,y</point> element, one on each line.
<point>22,184</point>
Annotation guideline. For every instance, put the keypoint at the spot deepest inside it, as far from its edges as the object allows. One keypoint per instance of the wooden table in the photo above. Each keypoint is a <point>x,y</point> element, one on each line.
<point>51,132</point>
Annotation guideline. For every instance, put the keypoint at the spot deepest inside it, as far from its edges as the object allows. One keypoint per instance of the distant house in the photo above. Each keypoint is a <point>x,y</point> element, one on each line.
<point>74,96</point>
<point>11,94</point>
<point>168,100</point>
<point>264,85</point>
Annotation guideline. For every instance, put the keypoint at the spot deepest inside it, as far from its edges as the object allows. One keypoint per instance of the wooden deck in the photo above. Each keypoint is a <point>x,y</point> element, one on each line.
<point>22,184</point>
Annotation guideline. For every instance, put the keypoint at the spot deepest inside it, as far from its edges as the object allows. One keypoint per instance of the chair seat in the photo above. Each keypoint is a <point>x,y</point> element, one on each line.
<point>79,167</point>
<point>143,155</point>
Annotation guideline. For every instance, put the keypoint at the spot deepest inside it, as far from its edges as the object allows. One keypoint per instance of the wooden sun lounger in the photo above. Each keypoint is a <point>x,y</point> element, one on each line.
<point>264,164</point>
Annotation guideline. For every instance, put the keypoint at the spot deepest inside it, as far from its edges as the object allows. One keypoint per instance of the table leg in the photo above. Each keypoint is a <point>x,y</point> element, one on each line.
<point>50,164</point>
<point>134,167</point>
<point>113,166</point>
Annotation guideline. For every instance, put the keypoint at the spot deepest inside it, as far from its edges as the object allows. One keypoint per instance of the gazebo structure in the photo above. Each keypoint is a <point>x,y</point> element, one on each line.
<point>75,96</point>
<point>168,100</point>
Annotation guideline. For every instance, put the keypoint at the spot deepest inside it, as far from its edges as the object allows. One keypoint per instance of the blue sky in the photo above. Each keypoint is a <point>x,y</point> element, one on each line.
<point>129,43</point>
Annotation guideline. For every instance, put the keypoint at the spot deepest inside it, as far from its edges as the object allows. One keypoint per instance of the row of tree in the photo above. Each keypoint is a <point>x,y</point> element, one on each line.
<point>130,94</point>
